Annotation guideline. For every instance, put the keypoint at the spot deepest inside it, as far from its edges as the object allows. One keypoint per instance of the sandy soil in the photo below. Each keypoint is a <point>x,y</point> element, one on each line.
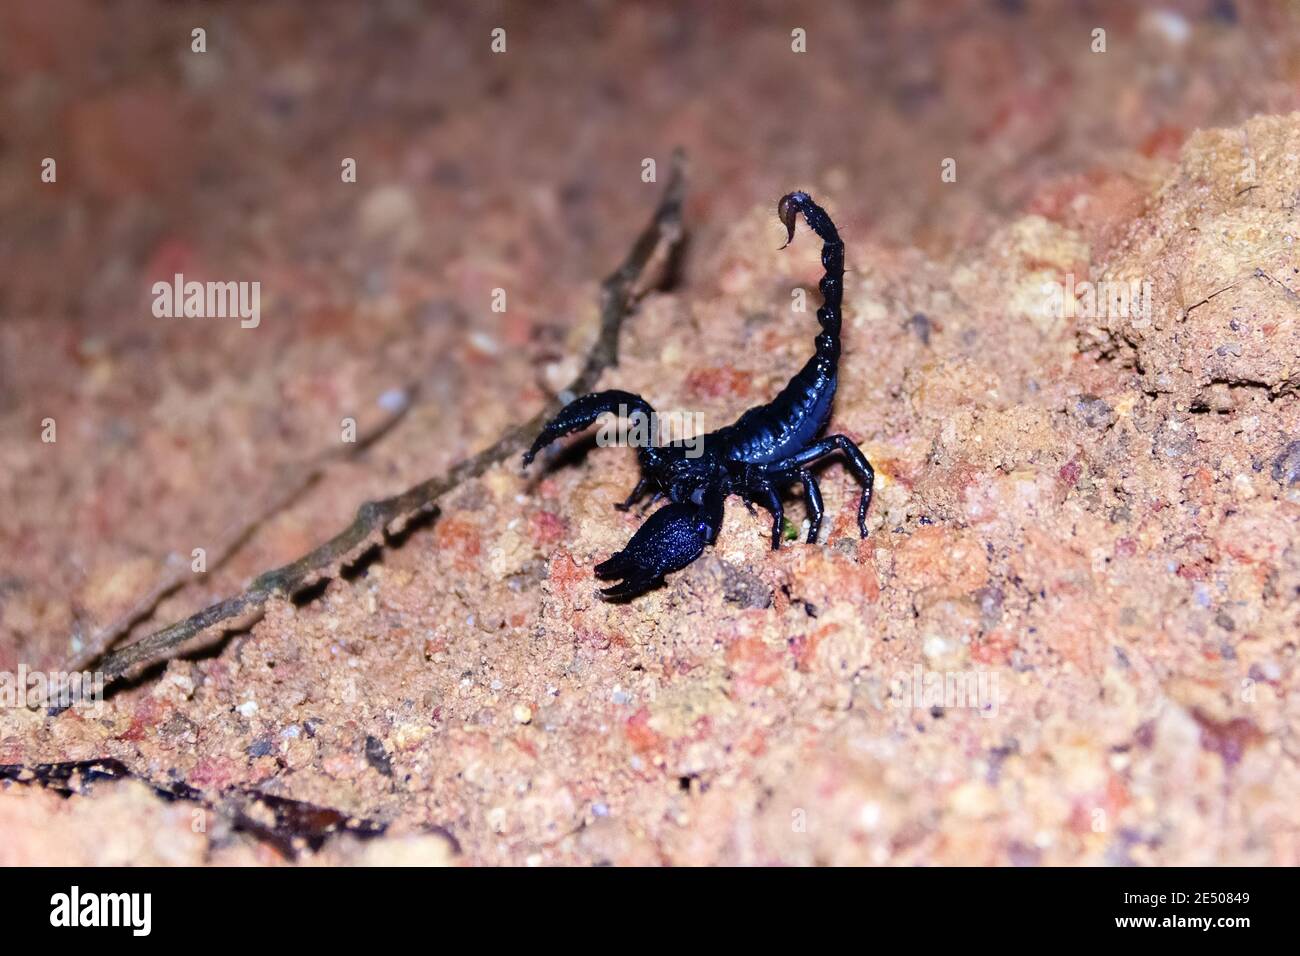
<point>1069,638</point>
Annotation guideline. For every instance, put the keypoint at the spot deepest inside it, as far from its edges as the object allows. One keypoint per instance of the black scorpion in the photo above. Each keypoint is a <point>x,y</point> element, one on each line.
<point>767,449</point>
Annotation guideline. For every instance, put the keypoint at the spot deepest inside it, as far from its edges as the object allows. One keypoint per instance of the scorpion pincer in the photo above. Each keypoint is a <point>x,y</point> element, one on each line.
<point>767,449</point>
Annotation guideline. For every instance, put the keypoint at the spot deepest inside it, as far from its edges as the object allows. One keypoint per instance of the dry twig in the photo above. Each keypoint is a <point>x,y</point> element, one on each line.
<point>619,294</point>
<point>284,493</point>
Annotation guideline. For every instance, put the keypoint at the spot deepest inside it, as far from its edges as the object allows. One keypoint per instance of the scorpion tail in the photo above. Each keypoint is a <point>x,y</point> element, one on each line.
<point>832,284</point>
<point>581,412</point>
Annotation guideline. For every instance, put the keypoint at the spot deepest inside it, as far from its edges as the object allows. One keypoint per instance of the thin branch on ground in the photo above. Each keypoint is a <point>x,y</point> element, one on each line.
<point>283,494</point>
<point>619,294</point>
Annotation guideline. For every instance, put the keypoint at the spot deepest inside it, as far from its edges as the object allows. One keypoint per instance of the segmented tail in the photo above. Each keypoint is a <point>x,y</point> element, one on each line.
<point>832,284</point>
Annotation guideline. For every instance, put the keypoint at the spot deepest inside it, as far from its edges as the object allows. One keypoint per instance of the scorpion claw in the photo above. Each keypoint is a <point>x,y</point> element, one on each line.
<point>671,538</point>
<point>581,412</point>
<point>632,587</point>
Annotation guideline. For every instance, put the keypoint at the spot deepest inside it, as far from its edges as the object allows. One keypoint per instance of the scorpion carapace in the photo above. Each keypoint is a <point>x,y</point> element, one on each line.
<point>766,450</point>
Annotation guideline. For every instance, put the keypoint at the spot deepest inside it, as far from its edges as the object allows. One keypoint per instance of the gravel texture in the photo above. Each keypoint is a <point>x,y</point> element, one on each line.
<point>1070,637</point>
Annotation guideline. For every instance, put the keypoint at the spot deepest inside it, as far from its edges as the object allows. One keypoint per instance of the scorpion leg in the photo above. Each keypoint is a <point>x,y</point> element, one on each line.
<point>637,493</point>
<point>747,500</point>
<point>581,412</point>
<point>813,499</point>
<point>760,487</point>
<point>811,493</point>
<point>642,484</point>
<point>857,463</point>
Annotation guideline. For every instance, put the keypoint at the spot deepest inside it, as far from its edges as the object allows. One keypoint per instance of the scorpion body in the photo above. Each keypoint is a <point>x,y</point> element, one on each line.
<point>769,448</point>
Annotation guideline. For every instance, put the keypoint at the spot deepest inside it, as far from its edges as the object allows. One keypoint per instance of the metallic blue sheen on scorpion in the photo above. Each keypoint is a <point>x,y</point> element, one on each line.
<point>768,449</point>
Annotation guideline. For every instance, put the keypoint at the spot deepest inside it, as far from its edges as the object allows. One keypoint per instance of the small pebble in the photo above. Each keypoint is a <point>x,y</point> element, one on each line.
<point>393,400</point>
